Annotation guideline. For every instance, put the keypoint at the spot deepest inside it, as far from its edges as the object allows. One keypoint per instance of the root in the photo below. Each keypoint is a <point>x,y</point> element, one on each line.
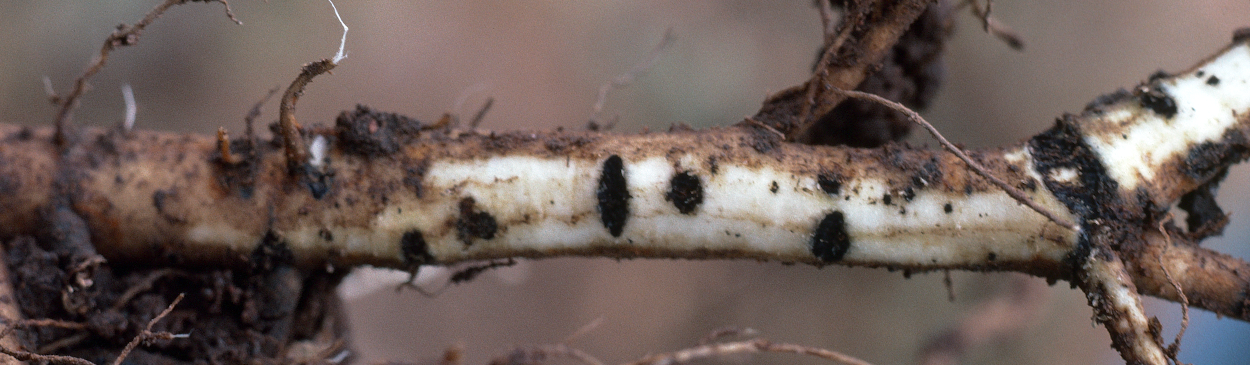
<point>973,164</point>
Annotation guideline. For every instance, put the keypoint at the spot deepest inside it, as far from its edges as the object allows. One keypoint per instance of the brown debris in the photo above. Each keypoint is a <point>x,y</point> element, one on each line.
<point>213,313</point>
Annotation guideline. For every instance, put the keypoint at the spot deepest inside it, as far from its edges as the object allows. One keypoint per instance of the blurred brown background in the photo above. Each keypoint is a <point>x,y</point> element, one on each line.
<point>543,62</point>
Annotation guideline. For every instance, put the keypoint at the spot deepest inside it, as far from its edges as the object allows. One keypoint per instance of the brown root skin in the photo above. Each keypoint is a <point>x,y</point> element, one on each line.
<point>142,194</point>
<point>176,183</point>
<point>293,142</point>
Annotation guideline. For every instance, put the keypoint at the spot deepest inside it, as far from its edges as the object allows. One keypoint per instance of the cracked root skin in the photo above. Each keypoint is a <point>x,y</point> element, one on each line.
<point>450,197</point>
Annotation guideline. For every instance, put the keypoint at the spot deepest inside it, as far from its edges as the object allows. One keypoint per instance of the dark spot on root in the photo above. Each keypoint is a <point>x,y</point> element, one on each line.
<point>948,208</point>
<point>887,199</point>
<point>930,173</point>
<point>773,187</point>
<point>1213,81</point>
<point>830,242</point>
<point>1095,198</point>
<point>474,223</point>
<point>909,194</point>
<point>1158,101</point>
<point>318,182</point>
<point>416,252</point>
<point>271,253</point>
<point>686,192</point>
<point>613,194</point>
<point>1209,158</point>
<point>368,132</point>
<point>830,183</point>
<point>991,256</point>
<point>161,200</point>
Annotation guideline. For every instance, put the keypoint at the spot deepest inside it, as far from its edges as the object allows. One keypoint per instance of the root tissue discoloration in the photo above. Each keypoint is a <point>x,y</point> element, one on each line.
<point>686,192</point>
<point>1158,101</point>
<point>830,183</point>
<point>613,194</point>
<point>831,241</point>
<point>474,223</point>
<point>415,251</point>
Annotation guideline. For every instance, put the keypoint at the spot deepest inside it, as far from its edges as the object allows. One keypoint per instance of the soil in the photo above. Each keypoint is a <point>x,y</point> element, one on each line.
<point>261,314</point>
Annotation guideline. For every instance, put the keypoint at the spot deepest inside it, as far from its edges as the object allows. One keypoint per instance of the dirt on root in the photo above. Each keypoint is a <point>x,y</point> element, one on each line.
<point>264,314</point>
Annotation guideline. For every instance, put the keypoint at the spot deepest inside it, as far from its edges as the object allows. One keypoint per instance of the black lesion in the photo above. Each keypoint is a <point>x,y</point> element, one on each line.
<point>474,223</point>
<point>686,192</point>
<point>1155,99</point>
<point>613,195</point>
<point>831,241</point>
<point>416,252</point>
<point>830,183</point>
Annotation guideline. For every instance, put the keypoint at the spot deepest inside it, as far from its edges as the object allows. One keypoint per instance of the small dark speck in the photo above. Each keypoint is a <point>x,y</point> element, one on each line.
<point>1213,81</point>
<point>1199,74</point>
<point>829,183</point>
<point>948,208</point>
<point>909,194</point>
<point>992,256</point>
<point>886,199</point>
<point>774,187</point>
